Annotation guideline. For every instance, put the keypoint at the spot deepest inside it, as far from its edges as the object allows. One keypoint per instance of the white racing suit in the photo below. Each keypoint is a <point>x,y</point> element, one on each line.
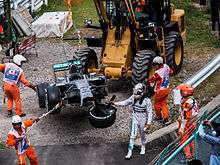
<point>140,114</point>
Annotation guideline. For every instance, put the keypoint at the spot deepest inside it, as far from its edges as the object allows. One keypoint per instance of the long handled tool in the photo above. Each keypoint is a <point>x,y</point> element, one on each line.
<point>59,105</point>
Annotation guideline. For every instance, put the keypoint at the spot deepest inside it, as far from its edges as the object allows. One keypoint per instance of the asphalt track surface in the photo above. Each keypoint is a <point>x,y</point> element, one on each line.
<point>68,138</point>
<point>85,154</point>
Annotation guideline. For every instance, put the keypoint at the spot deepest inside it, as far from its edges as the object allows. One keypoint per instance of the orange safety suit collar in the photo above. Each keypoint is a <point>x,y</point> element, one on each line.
<point>13,135</point>
<point>24,144</point>
<point>188,108</point>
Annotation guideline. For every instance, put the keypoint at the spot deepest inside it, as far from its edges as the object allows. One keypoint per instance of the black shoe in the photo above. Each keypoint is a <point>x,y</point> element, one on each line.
<point>9,114</point>
<point>127,158</point>
<point>22,115</point>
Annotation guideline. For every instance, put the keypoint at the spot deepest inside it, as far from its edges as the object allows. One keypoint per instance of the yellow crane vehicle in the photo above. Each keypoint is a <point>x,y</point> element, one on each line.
<point>134,32</point>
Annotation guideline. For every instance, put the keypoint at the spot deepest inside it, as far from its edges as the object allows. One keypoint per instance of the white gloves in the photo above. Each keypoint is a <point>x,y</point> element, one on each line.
<point>182,127</point>
<point>201,131</point>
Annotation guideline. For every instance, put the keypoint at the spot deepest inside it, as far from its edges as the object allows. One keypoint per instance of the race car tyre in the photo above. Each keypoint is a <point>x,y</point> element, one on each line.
<point>41,93</point>
<point>53,98</point>
<point>102,115</point>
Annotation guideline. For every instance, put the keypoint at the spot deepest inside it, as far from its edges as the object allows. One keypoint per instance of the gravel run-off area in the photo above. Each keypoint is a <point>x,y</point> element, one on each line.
<point>72,125</point>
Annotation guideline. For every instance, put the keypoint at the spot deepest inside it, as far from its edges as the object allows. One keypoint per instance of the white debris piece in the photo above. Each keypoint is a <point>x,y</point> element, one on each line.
<point>84,89</point>
<point>52,24</point>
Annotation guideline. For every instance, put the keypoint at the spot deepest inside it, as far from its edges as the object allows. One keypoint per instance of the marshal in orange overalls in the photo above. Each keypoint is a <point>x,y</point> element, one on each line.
<point>13,75</point>
<point>23,147</point>
<point>189,110</point>
<point>161,78</point>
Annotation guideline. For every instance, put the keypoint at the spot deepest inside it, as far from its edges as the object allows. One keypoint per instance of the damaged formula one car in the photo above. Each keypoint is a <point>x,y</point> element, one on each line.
<point>73,86</point>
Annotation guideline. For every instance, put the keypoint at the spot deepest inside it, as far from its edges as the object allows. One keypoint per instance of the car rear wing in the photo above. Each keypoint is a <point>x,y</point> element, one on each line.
<point>66,65</point>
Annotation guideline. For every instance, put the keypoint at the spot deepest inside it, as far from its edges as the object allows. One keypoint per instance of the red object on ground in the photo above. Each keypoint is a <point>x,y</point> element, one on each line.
<point>1,29</point>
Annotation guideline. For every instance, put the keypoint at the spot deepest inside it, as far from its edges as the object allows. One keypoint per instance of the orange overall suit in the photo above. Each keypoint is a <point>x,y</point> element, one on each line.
<point>22,147</point>
<point>162,80</point>
<point>13,74</point>
<point>189,110</point>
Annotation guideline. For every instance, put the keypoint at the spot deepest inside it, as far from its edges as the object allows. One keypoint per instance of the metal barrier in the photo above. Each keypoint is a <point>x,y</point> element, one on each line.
<point>172,154</point>
<point>205,72</point>
<point>177,157</point>
<point>33,5</point>
<point>201,75</point>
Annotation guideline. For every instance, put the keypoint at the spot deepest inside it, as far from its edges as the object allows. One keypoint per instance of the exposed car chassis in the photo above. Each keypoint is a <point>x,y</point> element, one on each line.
<point>73,87</point>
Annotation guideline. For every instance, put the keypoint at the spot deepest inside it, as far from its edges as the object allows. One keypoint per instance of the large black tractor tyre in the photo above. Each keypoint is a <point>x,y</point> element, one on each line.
<point>174,50</point>
<point>142,65</point>
<point>53,98</point>
<point>88,59</point>
<point>102,115</point>
<point>41,93</point>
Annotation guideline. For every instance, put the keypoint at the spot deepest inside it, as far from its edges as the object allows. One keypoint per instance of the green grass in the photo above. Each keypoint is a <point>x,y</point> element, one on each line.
<point>199,30</point>
<point>53,5</point>
<point>197,24</point>
<point>81,12</point>
<point>85,11</point>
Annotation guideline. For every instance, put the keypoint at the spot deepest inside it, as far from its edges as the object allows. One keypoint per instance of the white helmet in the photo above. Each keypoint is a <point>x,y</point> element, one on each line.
<point>138,89</point>
<point>16,119</point>
<point>18,59</point>
<point>158,60</point>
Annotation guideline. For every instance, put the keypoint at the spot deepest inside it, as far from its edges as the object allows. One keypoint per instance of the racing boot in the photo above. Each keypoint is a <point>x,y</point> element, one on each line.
<point>142,150</point>
<point>22,115</point>
<point>129,154</point>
